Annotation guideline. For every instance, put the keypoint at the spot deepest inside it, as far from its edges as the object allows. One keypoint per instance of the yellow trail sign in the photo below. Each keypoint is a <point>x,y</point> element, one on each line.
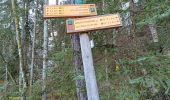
<point>93,23</point>
<point>60,11</point>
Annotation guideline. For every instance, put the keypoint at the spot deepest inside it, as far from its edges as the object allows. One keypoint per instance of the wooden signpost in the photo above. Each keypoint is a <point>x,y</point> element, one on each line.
<point>93,23</point>
<point>68,11</point>
<point>84,24</point>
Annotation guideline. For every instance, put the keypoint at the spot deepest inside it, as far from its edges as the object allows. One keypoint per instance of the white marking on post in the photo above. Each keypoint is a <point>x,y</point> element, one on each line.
<point>92,44</point>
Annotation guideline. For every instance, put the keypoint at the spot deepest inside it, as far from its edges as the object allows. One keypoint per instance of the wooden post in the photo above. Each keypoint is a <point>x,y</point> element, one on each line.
<point>90,77</point>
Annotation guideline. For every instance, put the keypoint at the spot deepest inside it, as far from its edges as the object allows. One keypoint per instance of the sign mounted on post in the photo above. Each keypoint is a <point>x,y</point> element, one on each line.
<point>93,23</point>
<point>60,11</point>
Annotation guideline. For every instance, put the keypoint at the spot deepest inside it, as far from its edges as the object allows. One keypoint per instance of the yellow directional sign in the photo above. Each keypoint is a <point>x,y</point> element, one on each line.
<point>59,11</point>
<point>93,23</point>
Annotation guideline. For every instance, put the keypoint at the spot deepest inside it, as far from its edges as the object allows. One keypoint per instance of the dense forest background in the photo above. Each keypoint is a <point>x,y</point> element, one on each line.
<point>131,62</point>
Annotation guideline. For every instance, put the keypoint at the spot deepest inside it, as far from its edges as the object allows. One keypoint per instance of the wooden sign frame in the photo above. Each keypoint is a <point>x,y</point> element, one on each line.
<point>69,11</point>
<point>114,22</point>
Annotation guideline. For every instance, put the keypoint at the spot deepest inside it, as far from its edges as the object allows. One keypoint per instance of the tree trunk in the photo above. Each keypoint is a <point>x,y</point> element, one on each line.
<point>105,50</point>
<point>45,50</point>
<point>6,80</point>
<point>80,83</point>
<point>132,16</point>
<point>18,38</point>
<point>153,32</point>
<point>32,50</point>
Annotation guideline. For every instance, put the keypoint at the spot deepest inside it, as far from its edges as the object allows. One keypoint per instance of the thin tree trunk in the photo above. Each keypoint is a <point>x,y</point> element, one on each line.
<point>18,38</point>
<point>6,80</point>
<point>44,61</point>
<point>105,50</point>
<point>153,32</point>
<point>132,16</point>
<point>80,83</point>
<point>24,32</point>
<point>32,51</point>
<point>45,47</point>
<point>6,71</point>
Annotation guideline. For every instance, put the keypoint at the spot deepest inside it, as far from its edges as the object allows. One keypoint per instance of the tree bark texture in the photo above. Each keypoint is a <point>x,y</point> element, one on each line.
<point>45,50</point>
<point>32,50</point>
<point>80,83</point>
<point>18,38</point>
